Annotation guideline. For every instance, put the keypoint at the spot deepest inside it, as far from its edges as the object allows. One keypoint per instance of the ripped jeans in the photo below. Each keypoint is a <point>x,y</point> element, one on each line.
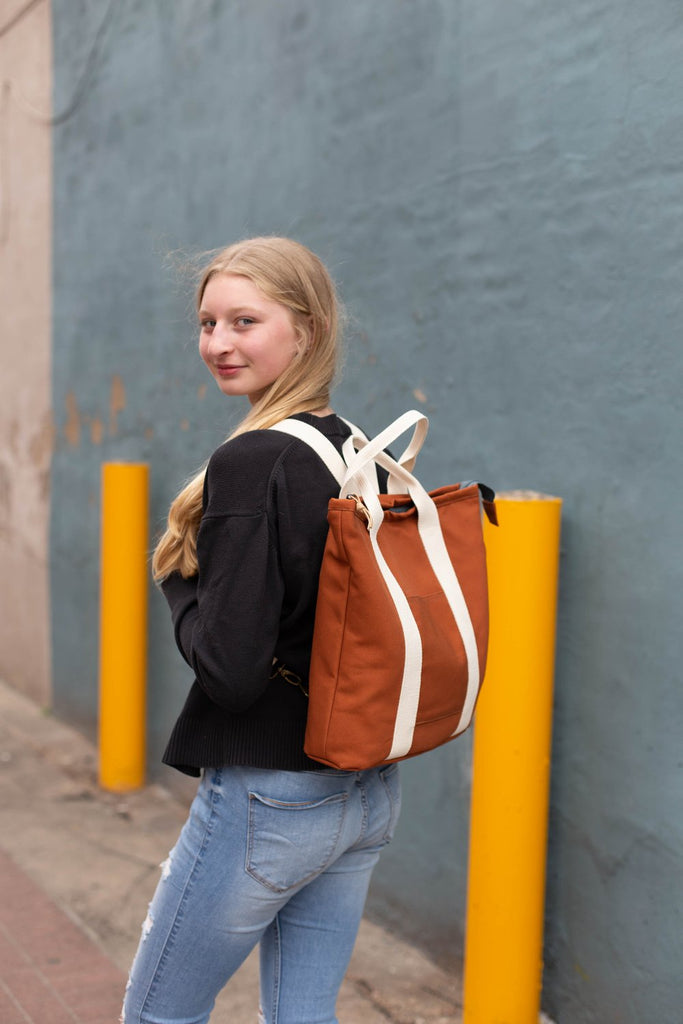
<point>272,857</point>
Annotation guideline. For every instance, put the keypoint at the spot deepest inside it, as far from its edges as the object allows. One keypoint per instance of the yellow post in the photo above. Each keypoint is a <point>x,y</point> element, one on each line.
<point>511,767</point>
<point>123,625</point>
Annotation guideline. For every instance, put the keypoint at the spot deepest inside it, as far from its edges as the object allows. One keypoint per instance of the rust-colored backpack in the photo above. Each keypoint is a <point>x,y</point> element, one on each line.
<point>401,623</point>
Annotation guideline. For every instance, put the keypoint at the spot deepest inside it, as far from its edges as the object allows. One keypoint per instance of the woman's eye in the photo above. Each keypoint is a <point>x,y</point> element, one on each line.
<point>207,325</point>
<point>244,321</point>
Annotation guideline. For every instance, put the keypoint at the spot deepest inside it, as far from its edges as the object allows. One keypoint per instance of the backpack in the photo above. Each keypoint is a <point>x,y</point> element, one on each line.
<point>401,622</point>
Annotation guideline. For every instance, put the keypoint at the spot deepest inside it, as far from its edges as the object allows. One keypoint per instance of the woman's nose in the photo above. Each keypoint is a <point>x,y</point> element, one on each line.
<point>221,338</point>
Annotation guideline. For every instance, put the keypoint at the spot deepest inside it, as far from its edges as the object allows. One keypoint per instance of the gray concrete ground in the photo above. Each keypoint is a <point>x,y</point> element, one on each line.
<point>97,856</point>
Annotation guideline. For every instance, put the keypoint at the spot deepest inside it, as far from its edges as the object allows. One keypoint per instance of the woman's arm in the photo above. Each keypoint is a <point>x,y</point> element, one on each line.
<point>181,595</point>
<point>226,620</point>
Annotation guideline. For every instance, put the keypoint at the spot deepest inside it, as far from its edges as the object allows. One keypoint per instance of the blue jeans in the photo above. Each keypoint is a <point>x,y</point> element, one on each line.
<point>278,858</point>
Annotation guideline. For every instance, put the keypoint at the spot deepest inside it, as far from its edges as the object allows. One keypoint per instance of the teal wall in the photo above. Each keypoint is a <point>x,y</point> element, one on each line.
<point>498,189</point>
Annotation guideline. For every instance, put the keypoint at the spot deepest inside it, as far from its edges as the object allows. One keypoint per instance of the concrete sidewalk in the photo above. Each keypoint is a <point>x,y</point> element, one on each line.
<point>77,869</point>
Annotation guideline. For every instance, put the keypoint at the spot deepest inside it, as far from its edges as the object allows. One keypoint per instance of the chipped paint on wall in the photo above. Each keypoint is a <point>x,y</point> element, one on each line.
<point>117,403</point>
<point>96,429</point>
<point>72,424</point>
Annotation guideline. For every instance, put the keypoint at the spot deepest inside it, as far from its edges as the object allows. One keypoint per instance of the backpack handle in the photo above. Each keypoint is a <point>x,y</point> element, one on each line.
<point>359,452</point>
<point>338,464</point>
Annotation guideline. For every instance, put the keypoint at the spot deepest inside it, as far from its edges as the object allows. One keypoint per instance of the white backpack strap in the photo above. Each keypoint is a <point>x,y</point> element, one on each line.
<point>358,437</point>
<point>326,450</point>
<point>318,442</point>
<point>431,535</point>
<point>371,450</point>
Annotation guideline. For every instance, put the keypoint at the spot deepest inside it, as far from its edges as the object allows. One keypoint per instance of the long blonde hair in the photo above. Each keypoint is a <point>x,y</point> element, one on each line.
<point>291,274</point>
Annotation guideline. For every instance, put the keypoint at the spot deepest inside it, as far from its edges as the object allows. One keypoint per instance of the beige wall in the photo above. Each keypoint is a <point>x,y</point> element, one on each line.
<point>25,316</point>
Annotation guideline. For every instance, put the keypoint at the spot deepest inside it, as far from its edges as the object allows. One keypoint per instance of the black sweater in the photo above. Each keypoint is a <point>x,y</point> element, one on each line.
<point>259,548</point>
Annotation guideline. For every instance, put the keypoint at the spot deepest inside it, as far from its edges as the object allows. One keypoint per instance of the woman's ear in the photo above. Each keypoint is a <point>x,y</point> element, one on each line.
<point>306,331</point>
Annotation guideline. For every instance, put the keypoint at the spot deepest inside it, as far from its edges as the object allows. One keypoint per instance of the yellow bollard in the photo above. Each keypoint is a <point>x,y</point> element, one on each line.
<point>123,625</point>
<point>511,767</point>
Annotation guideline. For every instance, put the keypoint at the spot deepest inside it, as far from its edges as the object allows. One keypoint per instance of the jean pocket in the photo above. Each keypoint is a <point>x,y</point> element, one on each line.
<point>391,782</point>
<point>288,844</point>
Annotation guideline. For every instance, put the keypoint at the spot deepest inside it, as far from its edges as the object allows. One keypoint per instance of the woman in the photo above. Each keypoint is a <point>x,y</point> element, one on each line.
<point>277,850</point>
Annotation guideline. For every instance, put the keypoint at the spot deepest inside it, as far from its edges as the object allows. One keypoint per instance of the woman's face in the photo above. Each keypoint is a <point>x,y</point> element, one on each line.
<point>246,339</point>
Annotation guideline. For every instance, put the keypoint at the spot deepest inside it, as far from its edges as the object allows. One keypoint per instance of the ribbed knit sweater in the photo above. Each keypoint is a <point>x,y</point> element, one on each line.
<point>259,549</point>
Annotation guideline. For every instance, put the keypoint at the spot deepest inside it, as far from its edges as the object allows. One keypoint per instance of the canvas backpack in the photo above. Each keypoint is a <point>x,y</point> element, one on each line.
<point>401,624</point>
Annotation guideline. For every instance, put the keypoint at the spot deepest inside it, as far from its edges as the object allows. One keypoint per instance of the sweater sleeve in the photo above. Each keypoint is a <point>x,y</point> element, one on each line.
<point>226,619</point>
<point>181,595</point>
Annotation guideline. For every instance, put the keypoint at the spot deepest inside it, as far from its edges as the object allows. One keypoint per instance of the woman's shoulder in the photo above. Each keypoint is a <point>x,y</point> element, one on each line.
<point>244,470</point>
<point>247,452</point>
<point>239,471</point>
<point>259,450</point>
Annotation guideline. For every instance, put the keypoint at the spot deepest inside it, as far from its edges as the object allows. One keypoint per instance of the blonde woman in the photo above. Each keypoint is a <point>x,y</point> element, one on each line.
<point>277,849</point>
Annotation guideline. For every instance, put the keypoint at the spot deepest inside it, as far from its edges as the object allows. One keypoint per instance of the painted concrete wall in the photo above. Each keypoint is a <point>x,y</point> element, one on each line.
<point>497,188</point>
<point>25,314</point>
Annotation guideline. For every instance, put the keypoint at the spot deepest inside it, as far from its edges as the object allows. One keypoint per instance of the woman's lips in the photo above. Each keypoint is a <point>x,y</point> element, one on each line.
<point>228,371</point>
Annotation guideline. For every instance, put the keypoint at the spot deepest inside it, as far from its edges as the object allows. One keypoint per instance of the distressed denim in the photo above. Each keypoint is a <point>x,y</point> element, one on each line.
<point>279,858</point>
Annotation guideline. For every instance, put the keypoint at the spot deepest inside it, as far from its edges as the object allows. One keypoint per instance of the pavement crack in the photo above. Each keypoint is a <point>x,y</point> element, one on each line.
<point>449,1000</point>
<point>366,990</point>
